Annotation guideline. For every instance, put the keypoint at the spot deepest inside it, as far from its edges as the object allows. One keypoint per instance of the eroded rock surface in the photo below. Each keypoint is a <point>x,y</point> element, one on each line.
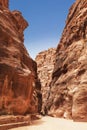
<point>4,3</point>
<point>45,66</point>
<point>18,72</point>
<point>68,93</point>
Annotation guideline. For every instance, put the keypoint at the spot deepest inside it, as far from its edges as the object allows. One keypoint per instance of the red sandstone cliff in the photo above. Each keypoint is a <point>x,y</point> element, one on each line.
<point>4,3</point>
<point>18,72</point>
<point>68,93</point>
<point>45,66</point>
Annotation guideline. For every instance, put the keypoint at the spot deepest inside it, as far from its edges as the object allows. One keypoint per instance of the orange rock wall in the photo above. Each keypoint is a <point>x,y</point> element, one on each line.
<point>68,93</point>
<point>18,72</point>
<point>45,66</point>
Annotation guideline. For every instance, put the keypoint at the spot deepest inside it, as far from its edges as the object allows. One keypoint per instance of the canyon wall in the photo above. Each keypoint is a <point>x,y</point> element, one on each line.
<point>68,92</point>
<point>45,66</point>
<point>19,86</point>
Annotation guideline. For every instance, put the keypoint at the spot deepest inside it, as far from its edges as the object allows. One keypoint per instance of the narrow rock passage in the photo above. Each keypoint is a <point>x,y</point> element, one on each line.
<point>49,123</point>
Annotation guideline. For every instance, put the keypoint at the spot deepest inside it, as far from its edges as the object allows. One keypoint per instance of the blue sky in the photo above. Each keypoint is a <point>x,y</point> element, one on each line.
<point>46,20</point>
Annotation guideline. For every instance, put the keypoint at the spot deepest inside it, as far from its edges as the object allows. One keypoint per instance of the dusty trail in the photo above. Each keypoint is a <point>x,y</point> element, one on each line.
<point>49,123</point>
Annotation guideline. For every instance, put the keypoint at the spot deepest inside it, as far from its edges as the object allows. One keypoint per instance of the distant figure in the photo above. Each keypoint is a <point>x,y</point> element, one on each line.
<point>45,110</point>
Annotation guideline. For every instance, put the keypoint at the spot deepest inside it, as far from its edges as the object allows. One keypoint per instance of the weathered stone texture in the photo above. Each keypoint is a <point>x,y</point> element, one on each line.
<point>4,3</point>
<point>68,93</point>
<point>18,72</point>
<point>45,66</point>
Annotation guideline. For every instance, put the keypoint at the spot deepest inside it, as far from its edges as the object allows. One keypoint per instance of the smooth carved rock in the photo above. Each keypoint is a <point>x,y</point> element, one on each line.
<point>18,72</point>
<point>45,66</point>
<point>68,93</point>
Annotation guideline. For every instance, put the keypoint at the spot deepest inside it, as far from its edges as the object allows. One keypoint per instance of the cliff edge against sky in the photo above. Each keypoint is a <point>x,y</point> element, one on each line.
<point>18,72</point>
<point>68,93</point>
<point>67,96</point>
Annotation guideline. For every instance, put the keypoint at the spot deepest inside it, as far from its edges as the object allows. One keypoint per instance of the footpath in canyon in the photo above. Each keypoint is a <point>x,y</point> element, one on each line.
<point>51,123</point>
<point>55,84</point>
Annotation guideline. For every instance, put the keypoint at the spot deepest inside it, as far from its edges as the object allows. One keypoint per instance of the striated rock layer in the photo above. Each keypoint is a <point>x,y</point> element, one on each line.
<point>18,72</point>
<point>4,3</point>
<point>45,66</point>
<point>68,93</point>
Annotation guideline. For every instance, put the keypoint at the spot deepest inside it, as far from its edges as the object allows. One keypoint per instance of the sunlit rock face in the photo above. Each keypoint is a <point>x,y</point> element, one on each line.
<point>68,93</point>
<point>45,66</point>
<point>18,72</point>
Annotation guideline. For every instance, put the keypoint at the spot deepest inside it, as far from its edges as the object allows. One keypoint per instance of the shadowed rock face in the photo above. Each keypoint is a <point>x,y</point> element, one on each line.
<point>18,72</point>
<point>45,66</point>
<point>68,93</point>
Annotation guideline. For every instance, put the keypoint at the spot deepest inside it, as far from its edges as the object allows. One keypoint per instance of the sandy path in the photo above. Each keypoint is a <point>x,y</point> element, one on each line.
<point>49,123</point>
